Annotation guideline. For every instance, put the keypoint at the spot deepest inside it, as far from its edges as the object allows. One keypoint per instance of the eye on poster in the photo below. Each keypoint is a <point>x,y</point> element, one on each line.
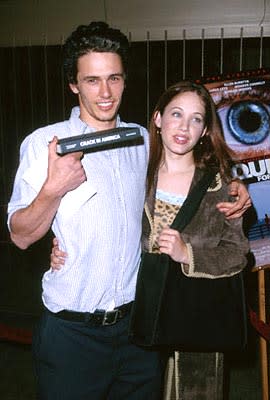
<point>243,105</point>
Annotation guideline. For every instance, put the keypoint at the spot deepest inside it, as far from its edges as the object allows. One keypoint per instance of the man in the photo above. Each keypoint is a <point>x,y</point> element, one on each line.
<point>94,205</point>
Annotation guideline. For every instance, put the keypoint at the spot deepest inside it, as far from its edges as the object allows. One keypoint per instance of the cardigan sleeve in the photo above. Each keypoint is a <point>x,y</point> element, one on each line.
<point>217,247</point>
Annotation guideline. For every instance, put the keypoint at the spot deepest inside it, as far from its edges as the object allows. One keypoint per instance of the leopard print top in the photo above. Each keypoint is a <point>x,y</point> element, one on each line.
<point>166,208</point>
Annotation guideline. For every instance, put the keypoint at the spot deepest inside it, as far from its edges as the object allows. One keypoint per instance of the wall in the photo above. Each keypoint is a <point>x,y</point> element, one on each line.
<point>29,22</point>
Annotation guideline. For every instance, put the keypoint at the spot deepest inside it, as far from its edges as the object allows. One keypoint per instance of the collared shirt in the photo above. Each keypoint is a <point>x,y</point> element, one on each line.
<point>98,224</point>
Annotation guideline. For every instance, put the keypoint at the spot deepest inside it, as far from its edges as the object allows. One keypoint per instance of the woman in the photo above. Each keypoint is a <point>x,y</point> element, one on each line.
<point>185,139</point>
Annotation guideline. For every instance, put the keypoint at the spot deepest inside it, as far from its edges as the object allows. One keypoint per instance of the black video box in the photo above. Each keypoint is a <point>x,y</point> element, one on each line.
<point>97,139</point>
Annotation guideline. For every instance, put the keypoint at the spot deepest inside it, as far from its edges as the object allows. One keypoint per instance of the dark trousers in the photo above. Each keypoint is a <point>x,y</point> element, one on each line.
<point>77,361</point>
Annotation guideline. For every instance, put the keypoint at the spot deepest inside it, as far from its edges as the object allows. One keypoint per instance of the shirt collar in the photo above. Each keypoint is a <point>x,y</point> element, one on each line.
<point>81,127</point>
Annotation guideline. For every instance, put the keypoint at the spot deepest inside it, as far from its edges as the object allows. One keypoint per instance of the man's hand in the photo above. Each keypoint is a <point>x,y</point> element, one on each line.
<point>57,256</point>
<point>243,201</point>
<point>31,223</point>
<point>65,173</point>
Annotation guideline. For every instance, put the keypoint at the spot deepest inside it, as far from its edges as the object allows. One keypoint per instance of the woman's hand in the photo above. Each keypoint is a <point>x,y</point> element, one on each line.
<point>243,201</point>
<point>57,256</point>
<point>171,243</point>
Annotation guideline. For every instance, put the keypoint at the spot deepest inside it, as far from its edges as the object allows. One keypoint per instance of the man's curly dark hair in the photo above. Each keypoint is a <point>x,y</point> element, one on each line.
<point>97,37</point>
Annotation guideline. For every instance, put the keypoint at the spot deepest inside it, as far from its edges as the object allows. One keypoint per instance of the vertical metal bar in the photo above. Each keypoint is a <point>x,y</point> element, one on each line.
<point>202,54</point>
<point>184,54</point>
<point>221,50</point>
<point>105,10</point>
<point>46,79</point>
<point>261,49</point>
<point>241,49</point>
<point>148,77</point>
<point>15,87</point>
<point>29,56</point>
<point>3,152</point>
<point>165,59</point>
<point>63,82</point>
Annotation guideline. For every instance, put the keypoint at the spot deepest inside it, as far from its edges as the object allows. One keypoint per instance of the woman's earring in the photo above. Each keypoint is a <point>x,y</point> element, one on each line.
<point>158,131</point>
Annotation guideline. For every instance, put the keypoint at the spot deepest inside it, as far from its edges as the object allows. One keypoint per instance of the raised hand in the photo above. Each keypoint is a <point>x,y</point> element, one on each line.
<point>171,243</point>
<point>65,173</point>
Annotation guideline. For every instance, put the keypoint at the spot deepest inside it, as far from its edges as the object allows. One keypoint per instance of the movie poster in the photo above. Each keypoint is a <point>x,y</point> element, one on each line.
<point>243,104</point>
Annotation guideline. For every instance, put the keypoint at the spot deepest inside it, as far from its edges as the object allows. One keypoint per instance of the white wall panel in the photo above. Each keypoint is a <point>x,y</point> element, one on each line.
<point>36,21</point>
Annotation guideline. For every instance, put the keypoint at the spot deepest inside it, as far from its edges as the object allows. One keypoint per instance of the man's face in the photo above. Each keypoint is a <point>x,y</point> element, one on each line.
<point>100,85</point>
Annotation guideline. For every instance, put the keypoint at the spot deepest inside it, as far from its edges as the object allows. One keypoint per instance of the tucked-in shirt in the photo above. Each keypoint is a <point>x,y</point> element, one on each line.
<point>98,224</point>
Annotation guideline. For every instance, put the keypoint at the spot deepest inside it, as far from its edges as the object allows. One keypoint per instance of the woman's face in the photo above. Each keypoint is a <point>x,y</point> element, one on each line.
<point>182,123</point>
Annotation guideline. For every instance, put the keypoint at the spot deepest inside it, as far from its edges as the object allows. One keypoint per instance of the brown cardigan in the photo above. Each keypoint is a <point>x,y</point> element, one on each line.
<point>217,246</point>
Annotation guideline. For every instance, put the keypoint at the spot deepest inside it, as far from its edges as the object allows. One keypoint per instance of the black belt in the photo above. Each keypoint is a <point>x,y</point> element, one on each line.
<point>97,318</point>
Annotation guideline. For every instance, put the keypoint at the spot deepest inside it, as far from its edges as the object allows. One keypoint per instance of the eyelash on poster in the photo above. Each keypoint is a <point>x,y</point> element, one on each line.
<point>256,101</point>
